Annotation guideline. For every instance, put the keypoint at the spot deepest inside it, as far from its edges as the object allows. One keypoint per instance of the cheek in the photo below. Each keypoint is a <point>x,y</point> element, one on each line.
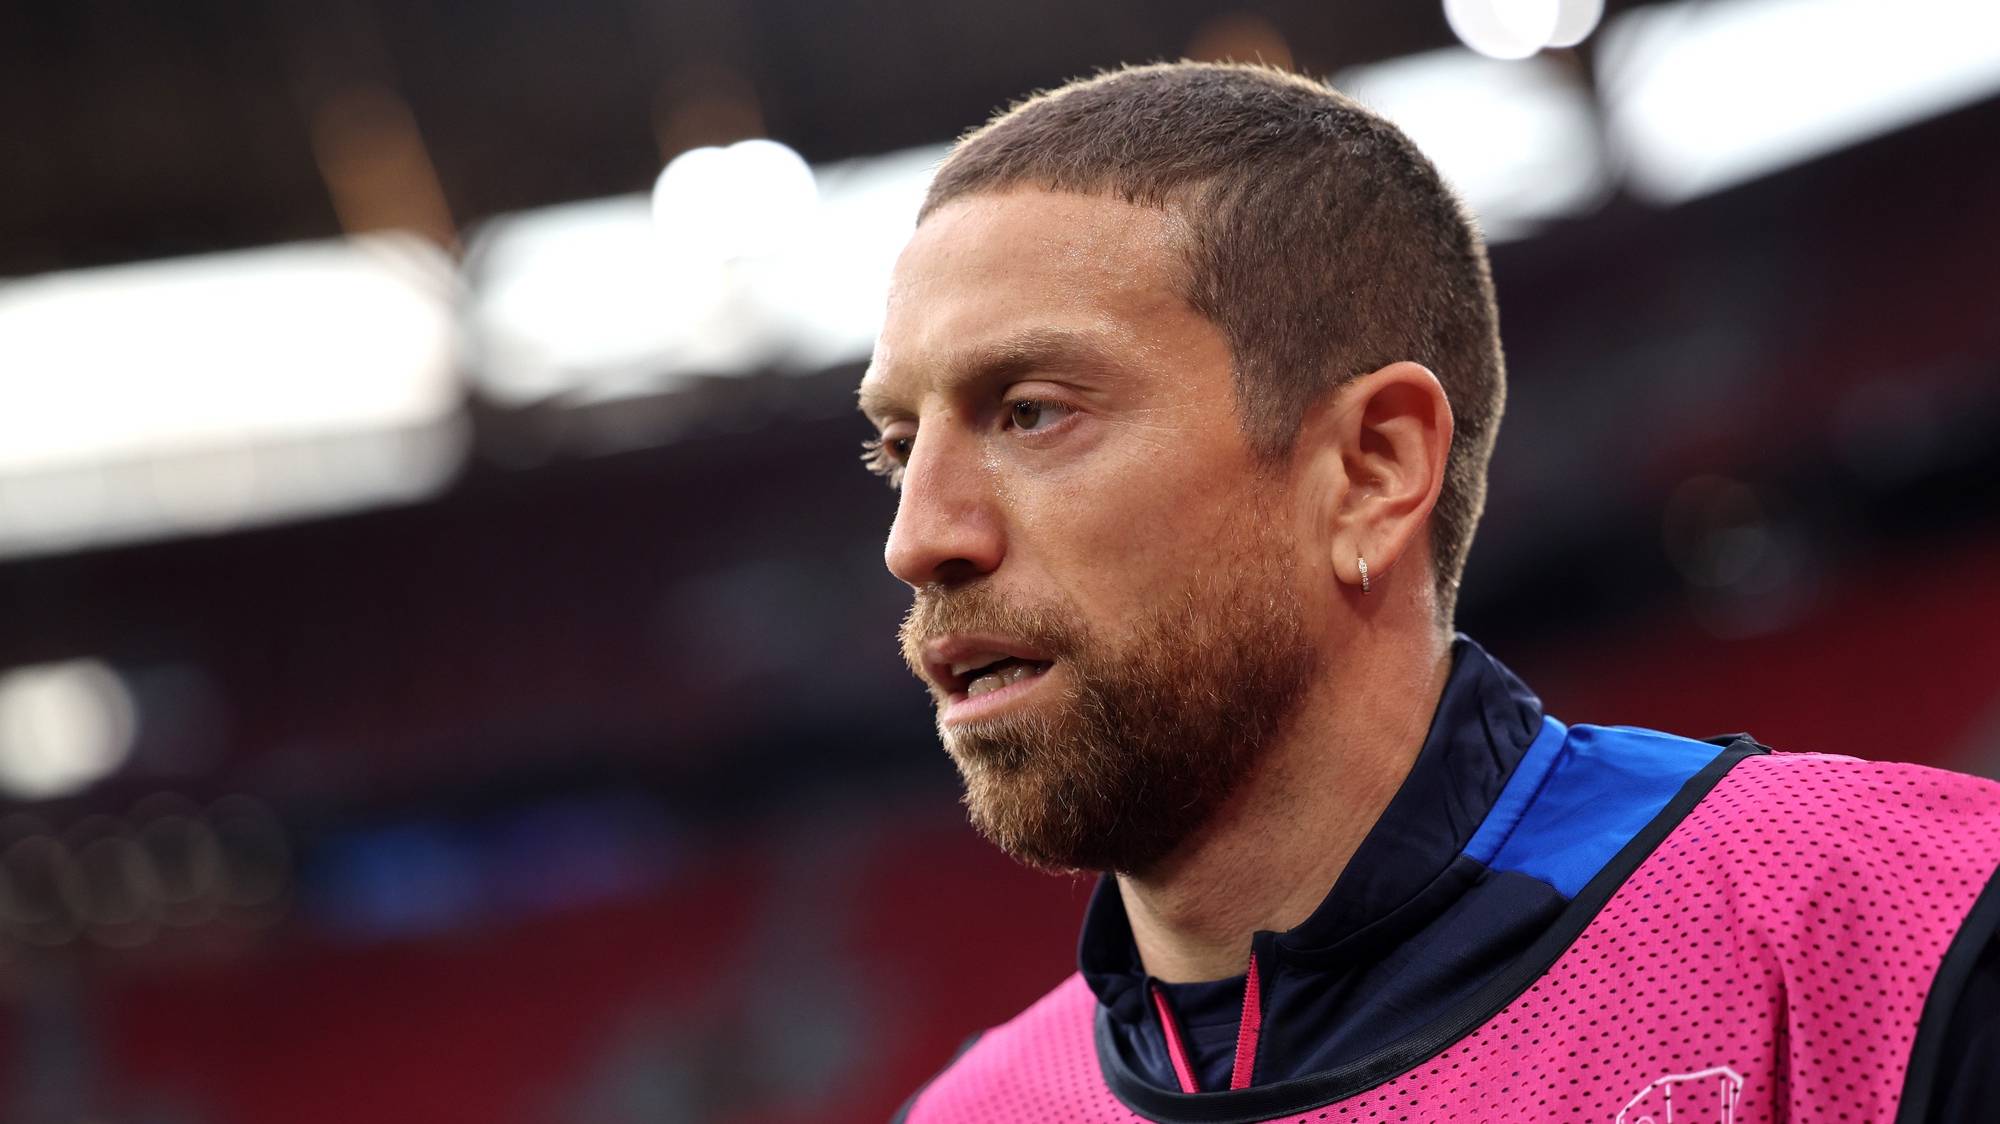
<point>1119,541</point>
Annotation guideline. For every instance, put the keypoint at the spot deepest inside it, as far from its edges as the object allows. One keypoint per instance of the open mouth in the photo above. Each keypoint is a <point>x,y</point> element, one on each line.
<point>985,673</point>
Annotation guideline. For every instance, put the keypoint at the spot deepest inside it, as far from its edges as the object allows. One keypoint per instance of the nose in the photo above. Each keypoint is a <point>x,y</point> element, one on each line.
<point>948,526</point>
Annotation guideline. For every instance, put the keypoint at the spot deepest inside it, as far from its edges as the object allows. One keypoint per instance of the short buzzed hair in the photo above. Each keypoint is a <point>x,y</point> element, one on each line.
<point>1321,242</point>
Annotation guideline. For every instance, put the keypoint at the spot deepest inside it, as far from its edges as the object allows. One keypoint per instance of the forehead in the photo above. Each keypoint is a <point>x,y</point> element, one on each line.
<point>990,269</point>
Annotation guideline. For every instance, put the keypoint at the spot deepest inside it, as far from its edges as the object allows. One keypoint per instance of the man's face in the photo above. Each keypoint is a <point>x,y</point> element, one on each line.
<point>1108,593</point>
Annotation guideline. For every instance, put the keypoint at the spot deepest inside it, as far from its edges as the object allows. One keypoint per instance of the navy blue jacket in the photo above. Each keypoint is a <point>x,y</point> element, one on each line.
<point>1425,914</point>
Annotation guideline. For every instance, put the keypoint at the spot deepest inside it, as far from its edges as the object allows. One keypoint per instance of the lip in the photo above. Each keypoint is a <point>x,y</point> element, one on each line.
<point>962,708</point>
<point>942,653</point>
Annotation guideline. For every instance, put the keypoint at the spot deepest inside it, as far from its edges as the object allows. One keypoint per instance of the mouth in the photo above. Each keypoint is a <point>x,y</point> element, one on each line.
<point>977,676</point>
<point>974,678</point>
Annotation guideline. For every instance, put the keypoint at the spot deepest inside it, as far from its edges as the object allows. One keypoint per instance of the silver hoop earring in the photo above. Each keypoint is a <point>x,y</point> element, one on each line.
<point>1364,572</point>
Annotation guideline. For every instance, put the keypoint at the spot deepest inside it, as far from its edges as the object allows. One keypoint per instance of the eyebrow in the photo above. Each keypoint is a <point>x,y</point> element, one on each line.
<point>1029,350</point>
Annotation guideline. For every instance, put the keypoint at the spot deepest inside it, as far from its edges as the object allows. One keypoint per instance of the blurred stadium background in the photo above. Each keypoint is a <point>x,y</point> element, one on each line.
<point>446,668</point>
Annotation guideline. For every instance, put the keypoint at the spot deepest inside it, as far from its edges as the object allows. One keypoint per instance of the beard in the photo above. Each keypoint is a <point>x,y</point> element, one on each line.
<point>1153,730</point>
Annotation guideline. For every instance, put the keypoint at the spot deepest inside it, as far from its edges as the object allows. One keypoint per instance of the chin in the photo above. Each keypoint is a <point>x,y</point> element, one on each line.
<point>1065,822</point>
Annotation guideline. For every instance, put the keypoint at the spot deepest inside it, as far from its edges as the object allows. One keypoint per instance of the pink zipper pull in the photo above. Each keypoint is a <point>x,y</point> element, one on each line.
<point>1248,1028</point>
<point>1176,1049</point>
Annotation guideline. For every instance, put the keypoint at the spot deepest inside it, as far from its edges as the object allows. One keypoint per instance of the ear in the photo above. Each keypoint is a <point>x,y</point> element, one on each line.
<point>1377,455</point>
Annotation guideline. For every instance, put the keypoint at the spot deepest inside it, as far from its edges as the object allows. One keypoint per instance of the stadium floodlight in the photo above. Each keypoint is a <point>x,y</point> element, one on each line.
<point>1701,96</point>
<point>571,298</point>
<point>1503,29</point>
<point>63,726</point>
<point>629,296</point>
<point>1575,20</point>
<point>839,288</point>
<point>223,390</point>
<point>753,198</point>
<point>1515,139</point>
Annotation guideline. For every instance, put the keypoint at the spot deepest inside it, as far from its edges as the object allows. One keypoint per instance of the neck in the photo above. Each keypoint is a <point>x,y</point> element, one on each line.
<point>1272,852</point>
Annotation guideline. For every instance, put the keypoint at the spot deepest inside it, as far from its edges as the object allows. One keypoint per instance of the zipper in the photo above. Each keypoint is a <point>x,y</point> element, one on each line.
<point>1249,1027</point>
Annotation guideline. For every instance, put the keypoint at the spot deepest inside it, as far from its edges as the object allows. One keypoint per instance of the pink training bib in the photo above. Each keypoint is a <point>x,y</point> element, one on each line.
<point>1769,960</point>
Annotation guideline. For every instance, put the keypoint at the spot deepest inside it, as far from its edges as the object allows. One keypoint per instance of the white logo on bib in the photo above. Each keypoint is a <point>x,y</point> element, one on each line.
<point>1707,1096</point>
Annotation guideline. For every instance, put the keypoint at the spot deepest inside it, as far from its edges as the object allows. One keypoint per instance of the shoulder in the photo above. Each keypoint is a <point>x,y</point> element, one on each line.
<point>1826,843</point>
<point>1045,1051</point>
<point>1584,795</point>
<point>1827,802</point>
<point>1838,870</point>
<point>1733,813</point>
<point>1816,802</point>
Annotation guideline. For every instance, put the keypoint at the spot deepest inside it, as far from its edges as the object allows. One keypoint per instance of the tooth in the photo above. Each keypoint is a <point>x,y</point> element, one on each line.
<point>982,685</point>
<point>978,659</point>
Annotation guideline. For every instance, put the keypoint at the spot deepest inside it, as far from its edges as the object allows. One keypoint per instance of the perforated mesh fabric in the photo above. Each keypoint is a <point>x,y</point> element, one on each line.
<point>1768,962</point>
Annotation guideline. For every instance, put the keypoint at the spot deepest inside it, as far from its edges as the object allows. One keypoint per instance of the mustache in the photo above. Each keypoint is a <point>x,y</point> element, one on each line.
<point>936,612</point>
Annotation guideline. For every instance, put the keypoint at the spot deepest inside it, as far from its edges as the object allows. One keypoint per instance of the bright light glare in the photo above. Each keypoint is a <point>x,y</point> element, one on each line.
<point>193,354</point>
<point>1702,96</point>
<point>605,299</point>
<point>753,198</point>
<point>577,292</point>
<point>1575,22</point>
<point>1514,138</point>
<point>839,287</point>
<point>214,392</point>
<point>1503,29</point>
<point>1516,29</point>
<point>63,726</point>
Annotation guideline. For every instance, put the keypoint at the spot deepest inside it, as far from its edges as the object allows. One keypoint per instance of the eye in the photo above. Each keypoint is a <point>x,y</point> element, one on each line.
<point>1030,415</point>
<point>885,457</point>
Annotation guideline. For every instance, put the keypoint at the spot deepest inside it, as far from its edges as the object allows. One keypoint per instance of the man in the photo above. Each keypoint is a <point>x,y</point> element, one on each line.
<point>1189,381</point>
